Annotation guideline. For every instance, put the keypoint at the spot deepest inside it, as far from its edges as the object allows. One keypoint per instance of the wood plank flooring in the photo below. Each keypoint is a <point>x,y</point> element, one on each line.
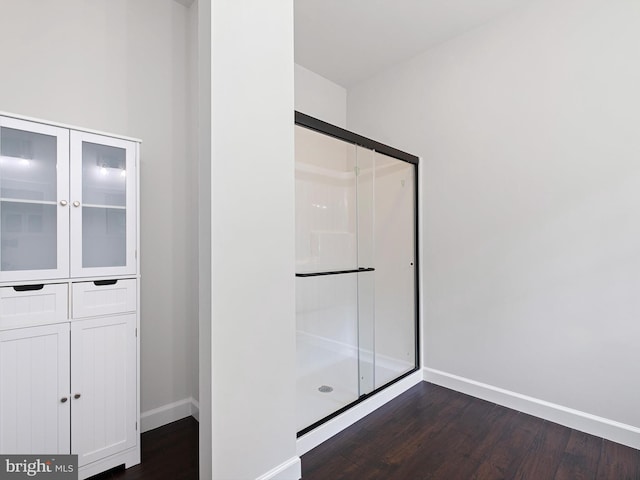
<point>433,433</point>
<point>428,433</point>
<point>168,453</point>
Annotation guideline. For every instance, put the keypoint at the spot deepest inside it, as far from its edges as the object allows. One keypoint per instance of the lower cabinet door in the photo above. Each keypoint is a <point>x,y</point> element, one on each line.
<point>34,390</point>
<point>103,386</point>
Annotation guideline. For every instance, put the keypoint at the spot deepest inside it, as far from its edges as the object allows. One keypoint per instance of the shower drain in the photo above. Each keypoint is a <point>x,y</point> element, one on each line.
<point>325,389</point>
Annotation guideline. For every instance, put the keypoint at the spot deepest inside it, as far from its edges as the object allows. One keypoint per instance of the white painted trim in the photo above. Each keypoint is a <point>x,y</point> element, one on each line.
<point>195,409</point>
<point>129,457</point>
<point>186,3</point>
<point>569,417</point>
<point>336,425</point>
<point>289,470</point>
<point>67,126</point>
<point>165,414</point>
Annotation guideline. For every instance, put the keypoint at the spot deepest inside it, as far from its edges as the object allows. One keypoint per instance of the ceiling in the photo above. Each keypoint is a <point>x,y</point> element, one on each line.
<point>350,40</point>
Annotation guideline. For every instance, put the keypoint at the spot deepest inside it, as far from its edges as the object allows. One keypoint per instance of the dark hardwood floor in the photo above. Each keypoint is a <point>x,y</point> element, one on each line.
<point>429,432</point>
<point>168,453</point>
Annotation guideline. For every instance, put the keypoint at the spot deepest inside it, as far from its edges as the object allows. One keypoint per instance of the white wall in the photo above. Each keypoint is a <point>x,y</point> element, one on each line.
<point>319,97</point>
<point>529,137</point>
<point>120,66</point>
<point>193,149</point>
<point>252,240</point>
<point>203,10</point>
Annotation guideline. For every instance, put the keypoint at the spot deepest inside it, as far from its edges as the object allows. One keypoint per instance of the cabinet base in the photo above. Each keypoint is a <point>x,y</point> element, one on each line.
<point>129,458</point>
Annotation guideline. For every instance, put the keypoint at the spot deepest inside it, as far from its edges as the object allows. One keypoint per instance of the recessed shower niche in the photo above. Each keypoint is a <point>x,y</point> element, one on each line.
<point>356,268</point>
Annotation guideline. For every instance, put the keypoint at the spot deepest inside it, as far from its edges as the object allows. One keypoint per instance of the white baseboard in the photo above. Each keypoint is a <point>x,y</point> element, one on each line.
<point>129,457</point>
<point>289,470</point>
<point>569,417</point>
<point>195,409</point>
<point>171,412</point>
<point>336,425</point>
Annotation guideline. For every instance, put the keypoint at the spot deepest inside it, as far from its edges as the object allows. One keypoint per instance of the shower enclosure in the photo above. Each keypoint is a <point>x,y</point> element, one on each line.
<point>356,268</point>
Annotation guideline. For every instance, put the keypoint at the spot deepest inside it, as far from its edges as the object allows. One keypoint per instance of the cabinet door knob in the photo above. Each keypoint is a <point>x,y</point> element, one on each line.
<point>63,203</point>
<point>63,400</point>
<point>76,396</point>
<point>76,203</point>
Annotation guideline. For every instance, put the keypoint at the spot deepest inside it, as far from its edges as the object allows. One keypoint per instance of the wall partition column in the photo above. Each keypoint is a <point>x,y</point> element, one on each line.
<point>356,269</point>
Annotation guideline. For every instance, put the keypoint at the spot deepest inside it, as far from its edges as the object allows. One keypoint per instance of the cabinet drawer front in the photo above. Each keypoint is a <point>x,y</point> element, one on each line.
<point>23,308</point>
<point>91,299</point>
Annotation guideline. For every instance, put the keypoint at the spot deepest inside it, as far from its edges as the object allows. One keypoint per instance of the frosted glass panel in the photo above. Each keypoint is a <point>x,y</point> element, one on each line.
<point>103,237</point>
<point>27,165</point>
<point>327,345</point>
<point>29,236</point>
<point>103,175</point>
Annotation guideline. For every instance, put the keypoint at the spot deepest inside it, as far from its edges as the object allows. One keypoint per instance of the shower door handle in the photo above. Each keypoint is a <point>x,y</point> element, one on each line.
<point>337,272</point>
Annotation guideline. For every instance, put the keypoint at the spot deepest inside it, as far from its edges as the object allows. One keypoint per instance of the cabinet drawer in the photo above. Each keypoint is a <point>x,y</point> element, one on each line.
<point>33,305</point>
<point>91,299</point>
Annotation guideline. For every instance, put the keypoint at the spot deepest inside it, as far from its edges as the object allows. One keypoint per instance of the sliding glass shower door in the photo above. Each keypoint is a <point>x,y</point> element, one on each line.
<point>395,322</point>
<point>347,339</point>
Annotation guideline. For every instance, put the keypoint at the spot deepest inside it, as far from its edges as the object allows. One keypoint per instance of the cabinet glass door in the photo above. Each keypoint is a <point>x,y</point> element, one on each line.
<point>34,185</point>
<point>103,210</point>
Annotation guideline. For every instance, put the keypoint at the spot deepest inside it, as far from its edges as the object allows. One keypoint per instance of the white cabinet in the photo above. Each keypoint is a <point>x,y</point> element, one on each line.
<point>102,204</point>
<point>34,390</point>
<point>34,192</point>
<point>103,387</point>
<point>67,203</point>
<point>69,287</point>
<point>39,304</point>
<point>50,386</point>
<point>104,297</point>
